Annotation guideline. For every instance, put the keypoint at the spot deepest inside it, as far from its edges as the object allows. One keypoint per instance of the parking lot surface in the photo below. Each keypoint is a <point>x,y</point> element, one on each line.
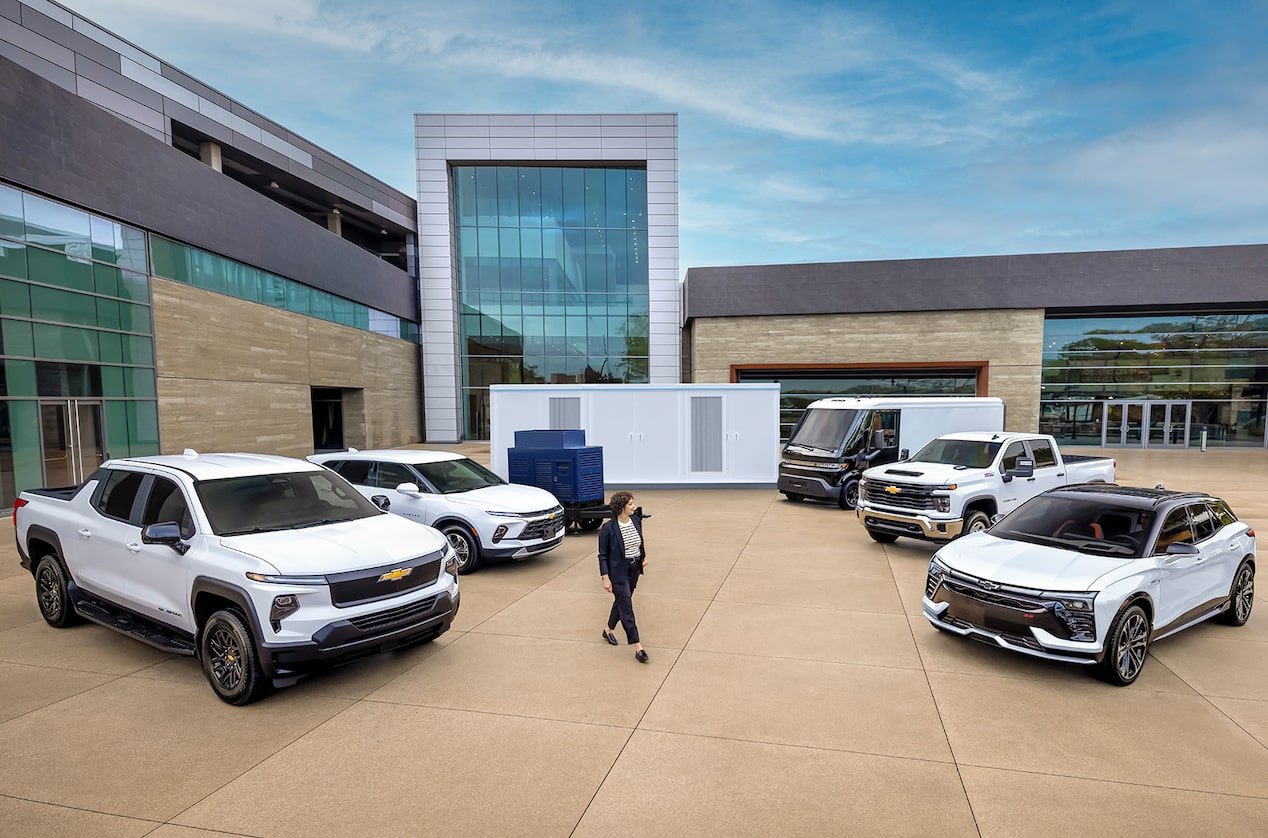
<point>793,689</point>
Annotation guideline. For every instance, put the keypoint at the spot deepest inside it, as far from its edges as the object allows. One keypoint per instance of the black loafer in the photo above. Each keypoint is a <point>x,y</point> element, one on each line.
<point>610,637</point>
<point>641,656</point>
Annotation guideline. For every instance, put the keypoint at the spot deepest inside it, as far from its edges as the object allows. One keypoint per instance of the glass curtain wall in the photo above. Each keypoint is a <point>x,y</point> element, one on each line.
<point>76,333</point>
<point>1108,372</point>
<point>552,278</point>
<point>798,389</point>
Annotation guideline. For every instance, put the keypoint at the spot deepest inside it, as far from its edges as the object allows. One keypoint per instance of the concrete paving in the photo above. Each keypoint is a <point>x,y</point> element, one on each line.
<point>793,689</point>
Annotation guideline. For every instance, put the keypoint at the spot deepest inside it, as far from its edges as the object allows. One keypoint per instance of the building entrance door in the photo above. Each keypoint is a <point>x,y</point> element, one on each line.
<point>1147,424</point>
<point>1124,424</point>
<point>73,440</point>
<point>1168,424</point>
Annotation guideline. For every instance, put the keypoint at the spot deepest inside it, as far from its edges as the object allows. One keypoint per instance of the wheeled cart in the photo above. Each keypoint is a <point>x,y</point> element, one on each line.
<point>560,462</point>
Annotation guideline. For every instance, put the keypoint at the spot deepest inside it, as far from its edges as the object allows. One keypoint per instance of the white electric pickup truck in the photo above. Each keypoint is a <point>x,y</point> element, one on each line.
<point>959,482</point>
<point>265,568</point>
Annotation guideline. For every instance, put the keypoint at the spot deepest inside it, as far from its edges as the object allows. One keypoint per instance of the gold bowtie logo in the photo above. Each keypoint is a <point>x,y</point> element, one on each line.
<point>393,575</point>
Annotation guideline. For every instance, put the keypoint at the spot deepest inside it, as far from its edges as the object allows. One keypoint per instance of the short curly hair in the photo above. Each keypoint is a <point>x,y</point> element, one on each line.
<point>618,502</point>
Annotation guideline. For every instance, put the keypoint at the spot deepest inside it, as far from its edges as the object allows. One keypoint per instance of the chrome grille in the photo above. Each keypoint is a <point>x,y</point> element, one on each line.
<point>384,620</point>
<point>903,495</point>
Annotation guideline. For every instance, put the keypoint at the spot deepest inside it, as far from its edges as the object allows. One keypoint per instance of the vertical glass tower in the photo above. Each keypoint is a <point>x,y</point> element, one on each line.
<point>552,274</point>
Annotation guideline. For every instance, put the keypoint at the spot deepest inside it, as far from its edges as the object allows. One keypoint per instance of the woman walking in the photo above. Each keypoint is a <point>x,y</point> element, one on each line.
<point>622,559</point>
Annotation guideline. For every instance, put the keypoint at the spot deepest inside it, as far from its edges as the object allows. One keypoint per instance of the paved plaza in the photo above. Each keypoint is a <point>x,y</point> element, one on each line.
<point>793,689</point>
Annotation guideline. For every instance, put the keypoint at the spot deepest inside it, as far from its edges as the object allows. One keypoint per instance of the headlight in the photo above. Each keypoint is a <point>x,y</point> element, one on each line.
<point>1077,612</point>
<point>450,560</point>
<point>936,571</point>
<point>279,579</point>
<point>942,503</point>
<point>502,514</point>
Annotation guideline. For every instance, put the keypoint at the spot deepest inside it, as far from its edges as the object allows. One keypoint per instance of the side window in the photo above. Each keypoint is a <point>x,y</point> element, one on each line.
<point>354,471</point>
<point>1204,523</point>
<point>1222,513</point>
<point>1014,450</point>
<point>166,504</point>
<point>119,494</point>
<point>1041,450</point>
<point>391,475</point>
<point>889,424</point>
<point>1175,530</point>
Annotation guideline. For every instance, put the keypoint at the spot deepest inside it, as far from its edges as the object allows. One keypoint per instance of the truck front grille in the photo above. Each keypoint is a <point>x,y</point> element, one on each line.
<point>902,495</point>
<point>358,586</point>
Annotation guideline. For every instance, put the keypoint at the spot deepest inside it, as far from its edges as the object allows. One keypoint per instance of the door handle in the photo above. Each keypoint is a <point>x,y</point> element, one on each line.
<point>134,547</point>
<point>85,533</point>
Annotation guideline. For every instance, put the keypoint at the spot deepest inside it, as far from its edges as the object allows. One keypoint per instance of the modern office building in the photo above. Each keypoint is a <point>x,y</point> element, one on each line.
<point>177,270</point>
<point>1154,348</point>
<point>549,254</point>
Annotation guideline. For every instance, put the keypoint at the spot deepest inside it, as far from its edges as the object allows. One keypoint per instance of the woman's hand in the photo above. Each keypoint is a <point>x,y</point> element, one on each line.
<point>607,583</point>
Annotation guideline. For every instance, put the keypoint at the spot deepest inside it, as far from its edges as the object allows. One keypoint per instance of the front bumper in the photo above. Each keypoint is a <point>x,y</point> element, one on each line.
<point>808,486</point>
<point>517,550</point>
<point>1001,626</point>
<point>914,526</point>
<point>347,640</point>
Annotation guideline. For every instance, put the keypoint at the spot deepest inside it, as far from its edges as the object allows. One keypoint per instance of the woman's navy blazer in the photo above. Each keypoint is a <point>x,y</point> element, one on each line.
<point>612,561</point>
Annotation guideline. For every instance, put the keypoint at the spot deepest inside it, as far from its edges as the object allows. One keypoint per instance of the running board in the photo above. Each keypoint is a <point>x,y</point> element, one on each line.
<point>124,623</point>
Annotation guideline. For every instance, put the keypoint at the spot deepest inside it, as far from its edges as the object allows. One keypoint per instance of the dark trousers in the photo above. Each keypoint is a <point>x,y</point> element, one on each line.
<point>622,602</point>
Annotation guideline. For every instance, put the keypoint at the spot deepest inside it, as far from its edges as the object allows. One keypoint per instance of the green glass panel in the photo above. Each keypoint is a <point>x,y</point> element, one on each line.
<point>117,437</point>
<point>57,226</point>
<point>15,298</point>
<point>111,348</point>
<point>112,382</point>
<point>18,339</point>
<point>134,318</point>
<point>169,259</point>
<point>138,382</point>
<point>298,298</point>
<point>13,259</point>
<point>63,306</point>
<point>107,240</point>
<point>20,378</point>
<point>143,436</point>
<point>65,343</point>
<point>361,316</point>
<point>24,430</point>
<point>134,286</point>
<point>138,350</point>
<point>58,269</point>
<point>106,280</point>
<point>11,216</point>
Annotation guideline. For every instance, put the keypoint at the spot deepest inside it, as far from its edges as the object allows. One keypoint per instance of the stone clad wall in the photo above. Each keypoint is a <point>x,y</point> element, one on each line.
<point>1011,342</point>
<point>237,376</point>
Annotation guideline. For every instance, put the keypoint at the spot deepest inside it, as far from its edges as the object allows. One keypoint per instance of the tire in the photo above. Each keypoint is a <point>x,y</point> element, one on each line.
<point>882,537</point>
<point>1241,595</point>
<point>794,498</point>
<point>590,524</point>
<point>466,546</point>
<point>975,521</point>
<point>1126,647</point>
<point>849,498</point>
<point>51,595</point>
<point>230,659</point>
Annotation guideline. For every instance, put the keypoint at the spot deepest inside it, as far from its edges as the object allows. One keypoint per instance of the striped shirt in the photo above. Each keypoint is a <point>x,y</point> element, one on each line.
<point>633,541</point>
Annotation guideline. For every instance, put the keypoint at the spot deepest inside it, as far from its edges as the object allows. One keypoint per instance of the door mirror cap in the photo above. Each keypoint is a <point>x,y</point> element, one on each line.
<point>382,502</point>
<point>166,532</point>
<point>904,454</point>
<point>1182,549</point>
<point>408,489</point>
<point>1025,468</point>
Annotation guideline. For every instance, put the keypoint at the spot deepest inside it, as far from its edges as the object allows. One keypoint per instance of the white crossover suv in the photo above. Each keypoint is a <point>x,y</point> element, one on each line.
<point>483,516</point>
<point>1094,574</point>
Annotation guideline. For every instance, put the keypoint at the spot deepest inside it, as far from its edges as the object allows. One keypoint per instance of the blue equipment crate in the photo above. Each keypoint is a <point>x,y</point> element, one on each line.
<point>572,475</point>
<point>550,439</point>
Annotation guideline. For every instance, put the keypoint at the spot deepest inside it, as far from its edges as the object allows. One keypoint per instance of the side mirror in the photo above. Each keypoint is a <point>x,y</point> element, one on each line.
<point>1183,549</point>
<point>878,440</point>
<point>408,489</point>
<point>1025,467</point>
<point>381,502</point>
<point>167,532</point>
<point>904,454</point>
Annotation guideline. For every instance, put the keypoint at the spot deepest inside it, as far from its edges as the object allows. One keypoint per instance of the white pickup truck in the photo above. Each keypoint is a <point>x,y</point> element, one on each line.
<point>265,568</point>
<point>959,482</point>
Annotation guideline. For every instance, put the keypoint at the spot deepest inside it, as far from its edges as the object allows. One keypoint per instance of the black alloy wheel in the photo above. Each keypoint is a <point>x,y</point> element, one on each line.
<point>230,660</point>
<point>1241,596</point>
<point>51,595</point>
<point>1127,647</point>
<point>464,544</point>
<point>849,498</point>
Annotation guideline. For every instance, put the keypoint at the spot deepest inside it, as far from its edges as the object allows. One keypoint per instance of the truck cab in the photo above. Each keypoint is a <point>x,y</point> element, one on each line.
<point>837,438</point>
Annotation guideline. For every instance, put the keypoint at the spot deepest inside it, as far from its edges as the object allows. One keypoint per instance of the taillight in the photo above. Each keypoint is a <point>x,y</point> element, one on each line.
<point>1250,533</point>
<point>17,504</point>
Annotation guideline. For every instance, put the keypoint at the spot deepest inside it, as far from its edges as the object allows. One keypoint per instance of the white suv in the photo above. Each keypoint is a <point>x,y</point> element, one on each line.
<point>483,516</point>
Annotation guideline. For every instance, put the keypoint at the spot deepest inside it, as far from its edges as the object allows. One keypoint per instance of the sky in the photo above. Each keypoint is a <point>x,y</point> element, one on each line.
<point>807,131</point>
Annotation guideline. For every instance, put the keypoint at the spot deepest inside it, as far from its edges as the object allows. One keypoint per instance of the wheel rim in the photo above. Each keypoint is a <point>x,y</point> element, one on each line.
<point>1244,594</point>
<point>225,658</point>
<point>977,525</point>
<point>49,591</point>
<point>1133,641</point>
<point>852,495</point>
<point>462,547</point>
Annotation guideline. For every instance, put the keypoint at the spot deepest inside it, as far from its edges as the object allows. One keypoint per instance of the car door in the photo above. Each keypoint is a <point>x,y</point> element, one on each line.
<point>1018,490</point>
<point>1048,473</point>
<point>158,582</point>
<point>1221,551</point>
<point>1183,582</point>
<point>95,552</point>
<point>387,476</point>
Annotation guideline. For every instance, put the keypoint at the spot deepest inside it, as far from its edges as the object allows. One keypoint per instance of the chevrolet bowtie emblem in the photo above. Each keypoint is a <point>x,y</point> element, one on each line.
<point>893,490</point>
<point>393,575</point>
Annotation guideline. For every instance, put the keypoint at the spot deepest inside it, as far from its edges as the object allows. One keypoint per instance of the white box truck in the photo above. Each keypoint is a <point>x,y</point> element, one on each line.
<point>838,438</point>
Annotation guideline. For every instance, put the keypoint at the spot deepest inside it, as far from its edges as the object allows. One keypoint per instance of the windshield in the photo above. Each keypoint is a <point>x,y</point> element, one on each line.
<point>450,476</point>
<point>270,502</point>
<point>823,428</point>
<point>1088,526</point>
<point>958,452</point>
